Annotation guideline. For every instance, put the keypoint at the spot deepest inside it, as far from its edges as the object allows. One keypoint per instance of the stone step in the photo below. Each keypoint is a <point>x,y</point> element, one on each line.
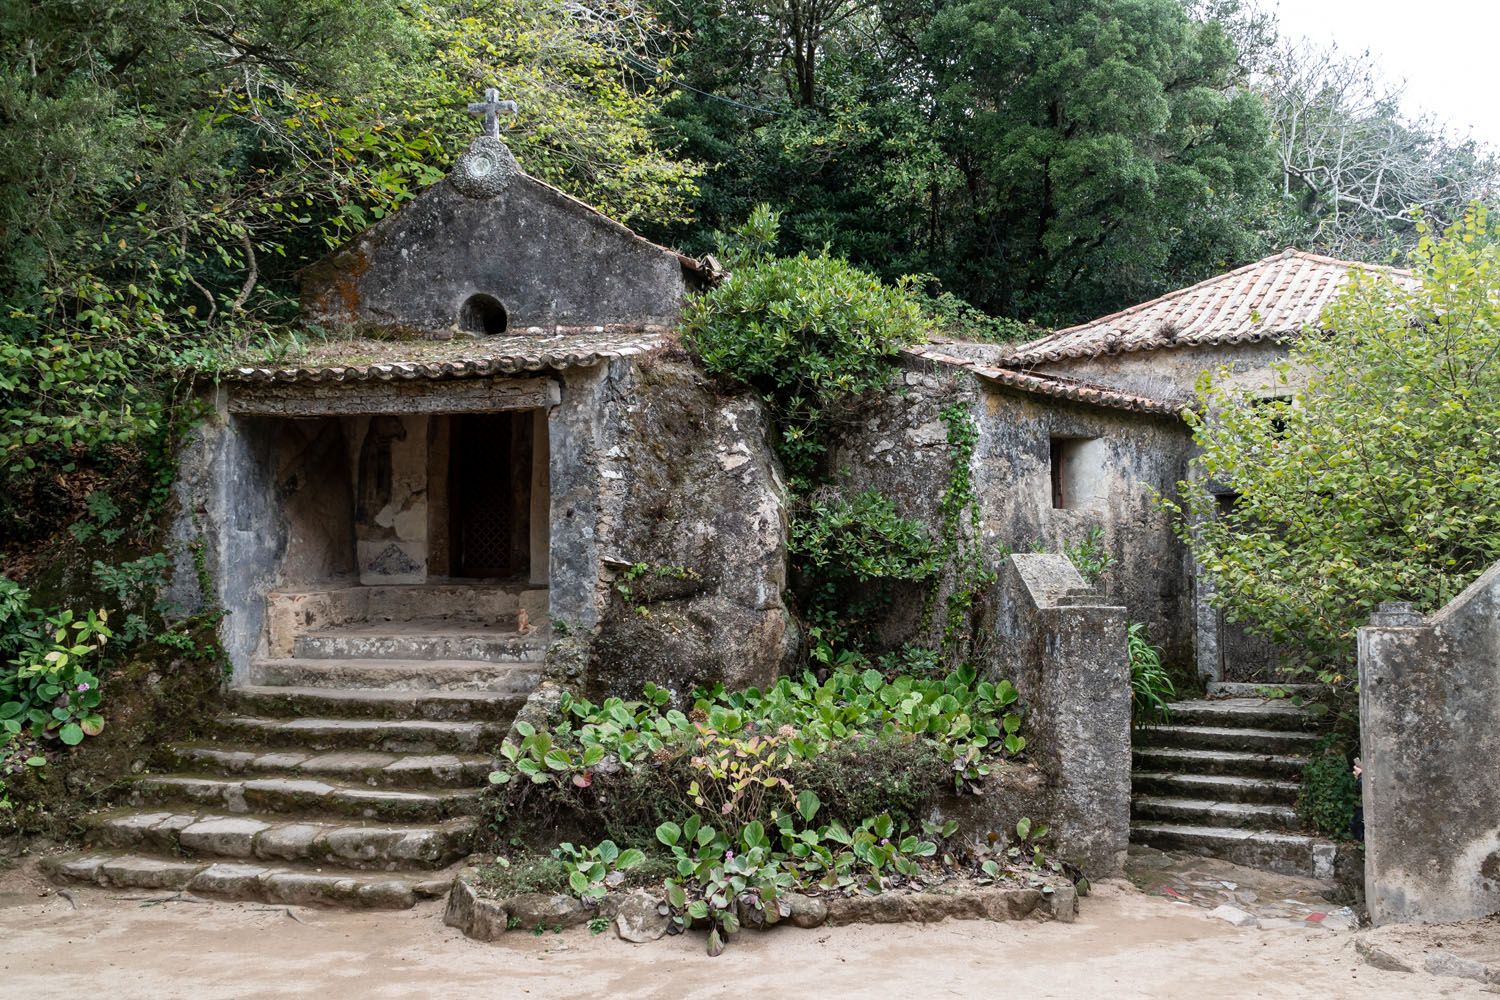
<point>282,795</point>
<point>1230,762</point>
<point>328,840</point>
<point>1256,689</point>
<point>1206,812</point>
<point>1243,713</point>
<point>376,770</point>
<point>1216,787</point>
<point>422,640</point>
<point>1228,738</point>
<point>376,703</point>
<point>406,675</point>
<point>1287,853</point>
<point>269,883</point>
<point>380,735</point>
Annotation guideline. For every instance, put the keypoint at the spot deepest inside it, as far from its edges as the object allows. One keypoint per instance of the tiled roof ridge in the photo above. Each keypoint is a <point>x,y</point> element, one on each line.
<point>1054,386</point>
<point>583,350</point>
<point>1048,348</point>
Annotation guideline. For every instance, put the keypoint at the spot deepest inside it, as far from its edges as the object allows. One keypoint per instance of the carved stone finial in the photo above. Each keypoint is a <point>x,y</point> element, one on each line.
<point>488,166</point>
<point>485,169</point>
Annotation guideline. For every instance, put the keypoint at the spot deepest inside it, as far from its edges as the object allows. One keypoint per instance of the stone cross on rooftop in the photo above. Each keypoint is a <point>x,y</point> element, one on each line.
<point>491,107</point>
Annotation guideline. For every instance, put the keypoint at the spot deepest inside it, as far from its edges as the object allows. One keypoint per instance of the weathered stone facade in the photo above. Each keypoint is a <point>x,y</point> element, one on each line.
<point>899,445</point>
<point>484,258</point>
<point>1430,737</point>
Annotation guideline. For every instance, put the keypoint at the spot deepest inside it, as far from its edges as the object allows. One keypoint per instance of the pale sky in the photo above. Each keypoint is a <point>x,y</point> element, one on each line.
<point>1447,51</point>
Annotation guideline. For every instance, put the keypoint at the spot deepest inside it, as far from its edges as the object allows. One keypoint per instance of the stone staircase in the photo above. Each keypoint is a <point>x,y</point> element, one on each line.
<point>348,772</point>
<point>1222,780</point>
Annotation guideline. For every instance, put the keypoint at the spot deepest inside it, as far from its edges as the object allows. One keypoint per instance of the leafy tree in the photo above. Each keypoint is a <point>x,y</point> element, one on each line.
<point>170,163</point>
<point>1092,134</point>
<point>1042,160</point>
<point>1371,471</point>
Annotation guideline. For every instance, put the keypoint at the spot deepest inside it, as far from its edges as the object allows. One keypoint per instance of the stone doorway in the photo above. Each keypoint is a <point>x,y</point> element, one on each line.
<point>490,482</point>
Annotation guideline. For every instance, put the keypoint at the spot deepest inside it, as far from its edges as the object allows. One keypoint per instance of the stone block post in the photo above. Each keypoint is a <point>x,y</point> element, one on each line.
<point>1429,707</point>
<point>1065,651</point>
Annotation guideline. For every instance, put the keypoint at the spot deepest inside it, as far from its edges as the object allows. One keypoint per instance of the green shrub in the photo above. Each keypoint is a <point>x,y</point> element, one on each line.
<point>866,776</point>
<point>1372,474</point>
<point>804,332</point>
<point>864,743</point>
<point>1151,687</point>
<point>1329,793</point>
<point>47,688</point>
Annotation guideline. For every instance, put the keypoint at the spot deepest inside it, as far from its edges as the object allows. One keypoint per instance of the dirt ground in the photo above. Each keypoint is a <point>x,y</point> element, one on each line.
<point>1128,942</point>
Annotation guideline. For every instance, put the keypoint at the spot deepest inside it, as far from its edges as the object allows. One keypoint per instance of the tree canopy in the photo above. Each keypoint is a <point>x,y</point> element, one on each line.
<point>169,165</point>
<point>1376,478</point>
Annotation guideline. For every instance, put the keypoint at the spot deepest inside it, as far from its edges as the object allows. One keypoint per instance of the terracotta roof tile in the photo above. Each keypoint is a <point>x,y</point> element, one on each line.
<point>1269,300</point>
<point>1053,386</point>
<point>390,361</point>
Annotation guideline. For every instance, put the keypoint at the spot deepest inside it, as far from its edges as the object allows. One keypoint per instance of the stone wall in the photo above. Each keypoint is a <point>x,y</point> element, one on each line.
<point>1068,661</point>
<point>1170,373</point>
<point>898,444</point>
<point>1430,738</point>
<point>691,529</point>
<point>539,257</point>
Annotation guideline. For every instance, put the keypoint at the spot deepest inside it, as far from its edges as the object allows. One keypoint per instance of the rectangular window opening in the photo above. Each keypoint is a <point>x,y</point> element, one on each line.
<point>1078,467</point>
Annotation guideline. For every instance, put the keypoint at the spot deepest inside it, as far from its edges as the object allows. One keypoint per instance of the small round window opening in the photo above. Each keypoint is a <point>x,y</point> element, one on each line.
<point>482,314</point>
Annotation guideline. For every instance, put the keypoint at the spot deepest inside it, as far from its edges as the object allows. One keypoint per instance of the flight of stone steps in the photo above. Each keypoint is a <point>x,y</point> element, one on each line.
<point>346,773</point>
<point>1221,779</point>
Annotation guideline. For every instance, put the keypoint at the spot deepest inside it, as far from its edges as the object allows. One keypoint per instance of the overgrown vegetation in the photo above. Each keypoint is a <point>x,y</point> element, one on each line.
<point>1151,685</point>
<point>1329,792</point>
<point>811,336</point>
<point>170,165</point>
<point>805,332</point>
<point>1375,478</point>
<point>806,785</point>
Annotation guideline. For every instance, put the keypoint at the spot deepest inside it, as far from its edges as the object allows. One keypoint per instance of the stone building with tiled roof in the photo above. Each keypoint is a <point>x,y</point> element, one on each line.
<point>499,475</point>
<point>1086,421</point>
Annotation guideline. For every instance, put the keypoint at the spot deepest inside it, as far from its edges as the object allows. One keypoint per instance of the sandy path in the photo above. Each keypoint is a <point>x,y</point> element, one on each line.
<point>1124,945</point>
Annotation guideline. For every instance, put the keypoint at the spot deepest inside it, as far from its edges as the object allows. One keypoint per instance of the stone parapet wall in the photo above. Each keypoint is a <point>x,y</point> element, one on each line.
<point>1430,738</point>
<point>1064,649</point>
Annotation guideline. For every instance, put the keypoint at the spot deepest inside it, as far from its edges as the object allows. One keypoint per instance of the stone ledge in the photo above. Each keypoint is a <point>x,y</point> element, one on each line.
<point>486,919</point>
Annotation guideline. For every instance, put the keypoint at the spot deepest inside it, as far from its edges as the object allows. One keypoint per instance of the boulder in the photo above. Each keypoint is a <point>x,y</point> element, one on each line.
<point>535,909</point>
<point>806,911</point>
<point>640,917</point>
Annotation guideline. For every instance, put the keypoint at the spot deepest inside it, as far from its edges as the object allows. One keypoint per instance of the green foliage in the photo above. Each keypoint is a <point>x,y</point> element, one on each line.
<point>804,332</point>
<point>743,755</point>
<point>848,557</point>
<point>726,874</point>
<point>1329,793</point>
<point>862,540</point>
<point>169,166</point>
<point>46,688</point>
<point>1151,686</point>
<point>1373,480</point>
<point>1046,160</point>
<point>959,507</point>
<point>592,871</point>
<point>641,576</point>
<point>960,320</point>
<point>1089,556</point>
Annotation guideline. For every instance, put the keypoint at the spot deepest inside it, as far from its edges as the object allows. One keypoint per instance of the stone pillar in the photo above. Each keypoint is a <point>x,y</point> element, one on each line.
<point>541,500</point>
<point>1065,651</point>
<point>1429,707</point>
